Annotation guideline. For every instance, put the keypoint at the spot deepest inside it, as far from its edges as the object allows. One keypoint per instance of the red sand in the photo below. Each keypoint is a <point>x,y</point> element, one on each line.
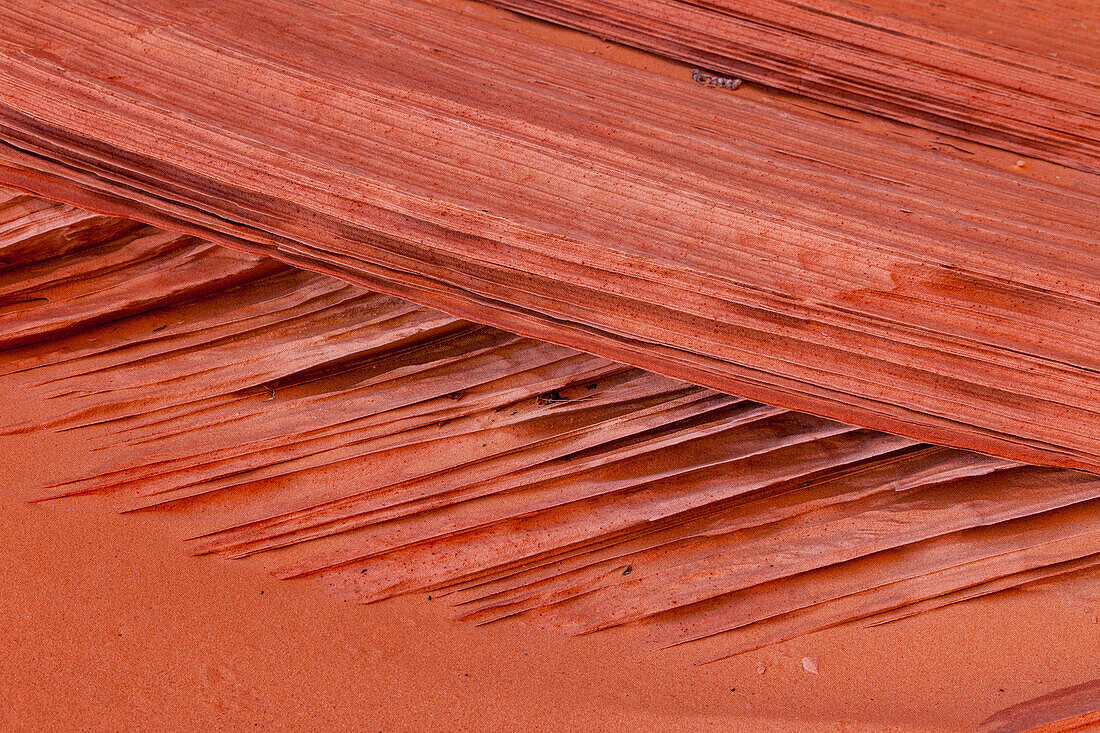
<point>112,627</point>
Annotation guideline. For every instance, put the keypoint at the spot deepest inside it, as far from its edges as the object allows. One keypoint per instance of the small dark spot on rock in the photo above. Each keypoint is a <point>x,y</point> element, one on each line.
<point>551,398</point>
<point>628,570</point>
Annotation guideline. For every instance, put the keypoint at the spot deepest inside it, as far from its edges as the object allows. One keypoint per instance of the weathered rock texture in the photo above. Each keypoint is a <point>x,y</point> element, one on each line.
<point>1069,710</point>
<point>744,244</point>
<point>392,449</point>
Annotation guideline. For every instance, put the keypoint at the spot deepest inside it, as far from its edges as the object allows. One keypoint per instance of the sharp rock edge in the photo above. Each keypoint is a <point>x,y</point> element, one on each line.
<point>393,449</point>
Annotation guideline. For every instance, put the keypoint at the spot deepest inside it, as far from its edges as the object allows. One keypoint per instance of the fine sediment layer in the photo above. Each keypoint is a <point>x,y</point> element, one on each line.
<point>1006,73</point>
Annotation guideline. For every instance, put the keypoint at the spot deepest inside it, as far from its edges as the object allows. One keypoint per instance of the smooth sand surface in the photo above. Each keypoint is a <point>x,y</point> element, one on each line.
<point>110,626</point>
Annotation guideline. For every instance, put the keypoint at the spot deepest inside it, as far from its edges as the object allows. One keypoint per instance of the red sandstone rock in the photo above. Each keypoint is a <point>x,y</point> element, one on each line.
<point>393,449</point>
<point>739,242</point>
